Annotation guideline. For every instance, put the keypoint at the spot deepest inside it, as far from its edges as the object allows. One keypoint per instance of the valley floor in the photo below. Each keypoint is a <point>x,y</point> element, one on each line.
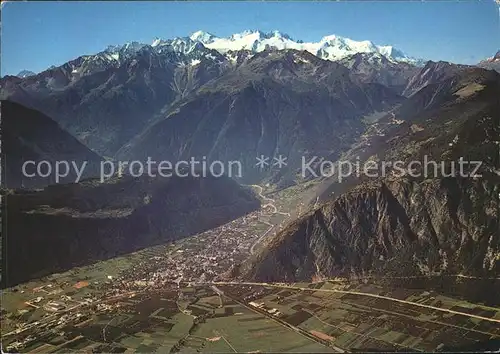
<point>177,297</point>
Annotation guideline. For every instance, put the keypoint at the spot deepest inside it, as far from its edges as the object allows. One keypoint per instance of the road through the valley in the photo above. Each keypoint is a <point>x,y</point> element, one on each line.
<point>271,226</point>
<point>363,294</point>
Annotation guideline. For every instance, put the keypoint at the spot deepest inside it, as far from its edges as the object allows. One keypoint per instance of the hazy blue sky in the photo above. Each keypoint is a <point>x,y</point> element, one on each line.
<point>36,35</point>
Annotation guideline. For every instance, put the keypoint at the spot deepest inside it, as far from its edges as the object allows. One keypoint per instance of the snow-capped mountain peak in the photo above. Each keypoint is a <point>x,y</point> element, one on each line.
<point>202,36</point>
<point>277,33</point>
<point>25,73</point>
<point>329,38</point>
<point>495,58</point>
<point>117,51</point>
<point>157,42</point>
<point>492,63</point>
<point>246,34</point>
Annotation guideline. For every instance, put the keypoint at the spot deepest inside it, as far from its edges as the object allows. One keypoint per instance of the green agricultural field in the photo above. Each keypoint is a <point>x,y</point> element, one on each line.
<point>358,322</point>
<point>246,331</point>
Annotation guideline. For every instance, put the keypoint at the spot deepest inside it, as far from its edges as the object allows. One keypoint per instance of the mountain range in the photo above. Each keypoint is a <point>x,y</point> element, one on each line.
<point>330,47</point>
<point>258,93</point>
<point>198,44</point>
<point>123,100</point>
<point>201,44</point>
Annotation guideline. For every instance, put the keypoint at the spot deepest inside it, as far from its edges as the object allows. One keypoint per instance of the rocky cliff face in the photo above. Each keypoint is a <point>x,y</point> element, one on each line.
<point>403,227</point>
<point>64,226</point>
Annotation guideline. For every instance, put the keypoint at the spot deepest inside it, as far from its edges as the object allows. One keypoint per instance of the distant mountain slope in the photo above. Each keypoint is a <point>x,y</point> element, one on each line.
<point>104,102</point>
<point>30,135</point>
<point>431,73</point>
<point>65,226</point>
<point>376,68</point>
<point>408,225</point>
<point>286,103</point>
<point>417,116</point>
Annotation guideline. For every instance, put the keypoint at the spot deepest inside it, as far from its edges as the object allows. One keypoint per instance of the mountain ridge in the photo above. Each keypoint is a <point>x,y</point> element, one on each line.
<point>492,63</point>
<point>329,47</point>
